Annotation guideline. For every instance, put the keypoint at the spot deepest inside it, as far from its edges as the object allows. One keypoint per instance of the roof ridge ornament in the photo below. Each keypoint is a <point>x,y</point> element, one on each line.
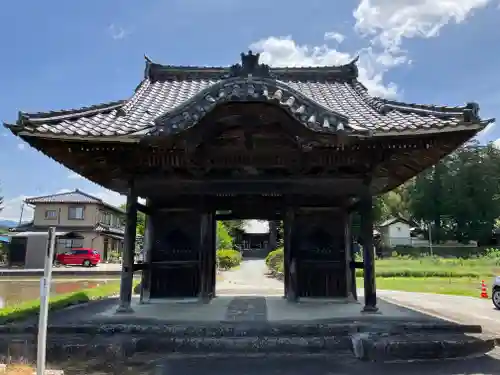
<point>249,67</point>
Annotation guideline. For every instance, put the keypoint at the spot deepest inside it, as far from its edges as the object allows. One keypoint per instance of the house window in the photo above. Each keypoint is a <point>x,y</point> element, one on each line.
<point>51,214</point>
<point>105,217</point>
<point>75,213</point>
<point>70,243</point>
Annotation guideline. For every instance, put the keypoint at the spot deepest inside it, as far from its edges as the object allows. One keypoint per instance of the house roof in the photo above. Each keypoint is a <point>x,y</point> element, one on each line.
<point>324,99</point>
<point>99,228</point>
<point>76,196</point>
<point>396,219</point>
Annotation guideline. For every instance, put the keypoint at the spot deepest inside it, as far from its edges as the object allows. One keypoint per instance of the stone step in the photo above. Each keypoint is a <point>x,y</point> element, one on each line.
<point>239,329</point>
<point>414,346</point>
<point>365,346</point>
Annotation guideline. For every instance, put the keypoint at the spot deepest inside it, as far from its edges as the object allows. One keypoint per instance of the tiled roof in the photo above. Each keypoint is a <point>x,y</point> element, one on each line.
<point>325,99</point>
<point>101,227</point>
<point>75,196</point>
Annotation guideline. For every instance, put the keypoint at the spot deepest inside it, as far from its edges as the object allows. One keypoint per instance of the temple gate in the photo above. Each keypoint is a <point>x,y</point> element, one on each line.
<point>308,146</point>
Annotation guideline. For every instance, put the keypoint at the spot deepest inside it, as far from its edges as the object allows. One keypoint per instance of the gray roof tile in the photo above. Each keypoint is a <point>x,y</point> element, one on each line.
<point>325,99</point>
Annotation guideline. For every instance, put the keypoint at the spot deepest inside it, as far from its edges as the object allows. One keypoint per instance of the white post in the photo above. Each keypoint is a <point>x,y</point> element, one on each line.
<point>44,302</point>
<point>430,237</point>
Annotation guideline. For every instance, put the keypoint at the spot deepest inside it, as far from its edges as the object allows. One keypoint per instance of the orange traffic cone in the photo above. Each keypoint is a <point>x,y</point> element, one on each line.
<point>484,292</point>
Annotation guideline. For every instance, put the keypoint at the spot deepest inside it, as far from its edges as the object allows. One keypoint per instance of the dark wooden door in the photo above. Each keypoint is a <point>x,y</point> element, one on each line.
<point>175,259</point>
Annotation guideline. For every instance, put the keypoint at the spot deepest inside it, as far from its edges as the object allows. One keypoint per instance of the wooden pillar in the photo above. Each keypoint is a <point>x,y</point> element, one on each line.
<point>127,276</point>
<point>147,253</point>
<point>213,253</point>
<point>290,263</point>
<point>366,211</point>
<point>207,257</point>
<point>349,259</point>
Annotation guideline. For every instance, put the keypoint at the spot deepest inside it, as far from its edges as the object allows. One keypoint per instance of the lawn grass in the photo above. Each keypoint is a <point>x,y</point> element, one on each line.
<point>427,274</point>
<point>457,286</point>
<point>28,309</point>
<point>436,267</point>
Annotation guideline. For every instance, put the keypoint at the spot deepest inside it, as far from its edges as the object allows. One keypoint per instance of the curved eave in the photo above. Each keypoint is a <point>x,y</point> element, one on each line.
<point>29,123</point>
<point>138,136</point>
<point>309,113</point>
<point>468,113</point>
<point>62,115</point>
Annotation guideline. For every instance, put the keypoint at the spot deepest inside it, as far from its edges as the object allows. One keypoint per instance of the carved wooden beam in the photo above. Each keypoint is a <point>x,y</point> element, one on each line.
<point>154,185</point>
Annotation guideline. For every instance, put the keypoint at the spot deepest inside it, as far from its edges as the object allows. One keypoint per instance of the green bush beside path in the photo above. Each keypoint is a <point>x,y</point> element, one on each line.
<point>228,258</point>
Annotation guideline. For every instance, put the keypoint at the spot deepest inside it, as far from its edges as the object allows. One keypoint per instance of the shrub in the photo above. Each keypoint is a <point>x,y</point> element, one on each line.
<point>275,259</point>
<point>228,258</point>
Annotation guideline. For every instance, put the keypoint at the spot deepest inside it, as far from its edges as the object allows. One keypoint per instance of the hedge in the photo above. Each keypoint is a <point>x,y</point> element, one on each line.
<point>29,309</point>
<point>404,267</point>
<point>440,251</point>
<point>228,258</point>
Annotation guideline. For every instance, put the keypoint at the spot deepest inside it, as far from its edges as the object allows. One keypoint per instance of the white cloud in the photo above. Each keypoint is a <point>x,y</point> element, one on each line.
<point>12,209</point>
<point>109,197</point>
<point>384,24</point>
<point>332,35</point>
<point>21,146</point>
<point>389,22</point>
<point>112,197</point>
<point>284,51</point>
<point>117,32</point>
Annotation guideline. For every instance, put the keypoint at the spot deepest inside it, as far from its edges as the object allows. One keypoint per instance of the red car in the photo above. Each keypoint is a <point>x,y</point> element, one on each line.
<point>84,257</point>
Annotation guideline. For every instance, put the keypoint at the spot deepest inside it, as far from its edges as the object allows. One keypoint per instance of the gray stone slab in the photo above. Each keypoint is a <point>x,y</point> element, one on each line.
<point>419,346</point>
<point>247,309</point>
<point>279,309</point>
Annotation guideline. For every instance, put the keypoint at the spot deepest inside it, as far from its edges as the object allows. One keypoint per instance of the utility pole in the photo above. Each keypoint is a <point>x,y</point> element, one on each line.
<point>21,215</point>
<point>429,229</point>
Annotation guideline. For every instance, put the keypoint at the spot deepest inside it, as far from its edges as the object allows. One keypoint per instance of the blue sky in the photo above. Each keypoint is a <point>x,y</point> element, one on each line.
<point>67,54</point>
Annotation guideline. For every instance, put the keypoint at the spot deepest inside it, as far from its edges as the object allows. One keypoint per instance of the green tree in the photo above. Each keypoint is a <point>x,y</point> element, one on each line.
<point>233,227</point>
<point>224,240</point>
<point>460,195</point>
<point>141,221</point>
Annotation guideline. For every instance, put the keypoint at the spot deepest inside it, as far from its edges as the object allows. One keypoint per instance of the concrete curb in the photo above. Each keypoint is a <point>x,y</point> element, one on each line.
<point>411,347</point>
<point>58,273</point>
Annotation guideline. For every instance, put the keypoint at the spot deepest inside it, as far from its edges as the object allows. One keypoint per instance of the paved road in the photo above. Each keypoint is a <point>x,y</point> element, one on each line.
<point>467,310</point>
<point>251,277</point>
<point>335,365</point>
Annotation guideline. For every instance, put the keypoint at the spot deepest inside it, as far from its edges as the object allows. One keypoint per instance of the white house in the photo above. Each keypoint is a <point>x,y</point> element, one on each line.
<point>396,231</point>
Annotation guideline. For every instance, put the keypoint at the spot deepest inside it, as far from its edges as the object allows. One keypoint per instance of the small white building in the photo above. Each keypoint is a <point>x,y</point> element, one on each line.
<point>396,231</point>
